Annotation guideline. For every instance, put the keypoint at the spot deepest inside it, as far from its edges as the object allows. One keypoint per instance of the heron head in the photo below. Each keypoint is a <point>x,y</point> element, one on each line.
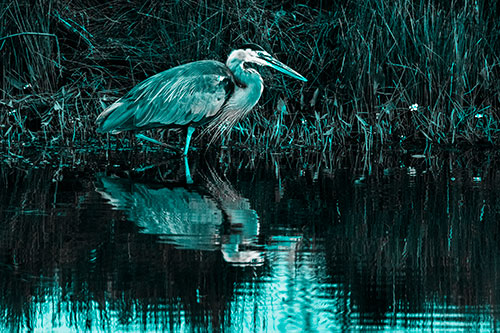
<point>253,53</point>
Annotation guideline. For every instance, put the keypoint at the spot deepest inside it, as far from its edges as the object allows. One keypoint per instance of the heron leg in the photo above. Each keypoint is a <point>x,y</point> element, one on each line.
<point>147,138</point>
<point>190,131</point>
<point>189,180</point>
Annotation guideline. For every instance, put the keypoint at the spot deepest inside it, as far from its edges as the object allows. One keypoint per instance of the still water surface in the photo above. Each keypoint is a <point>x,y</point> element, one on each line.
<point>121,242</point>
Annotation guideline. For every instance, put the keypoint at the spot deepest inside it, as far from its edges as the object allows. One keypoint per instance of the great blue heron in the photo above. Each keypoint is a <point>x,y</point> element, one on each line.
<point>194,94</point>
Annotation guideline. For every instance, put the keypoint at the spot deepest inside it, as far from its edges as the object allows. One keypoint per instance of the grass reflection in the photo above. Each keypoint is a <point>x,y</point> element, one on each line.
<point>414,245</point>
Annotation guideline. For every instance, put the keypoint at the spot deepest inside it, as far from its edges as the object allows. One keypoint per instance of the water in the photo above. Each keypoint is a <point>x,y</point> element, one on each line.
<point>259,243</point>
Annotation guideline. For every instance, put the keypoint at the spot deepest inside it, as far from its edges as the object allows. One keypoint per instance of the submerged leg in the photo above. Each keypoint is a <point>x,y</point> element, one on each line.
<point>188,139</point>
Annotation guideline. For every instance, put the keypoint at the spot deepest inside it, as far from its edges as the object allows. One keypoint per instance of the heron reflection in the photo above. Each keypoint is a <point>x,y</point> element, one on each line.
<point>208,217</point>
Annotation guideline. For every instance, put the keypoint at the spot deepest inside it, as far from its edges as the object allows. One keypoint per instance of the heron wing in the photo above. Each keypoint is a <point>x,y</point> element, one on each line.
<point>184,95</point>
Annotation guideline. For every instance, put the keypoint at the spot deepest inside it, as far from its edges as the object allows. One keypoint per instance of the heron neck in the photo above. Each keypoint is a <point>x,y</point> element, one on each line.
<point>243,76</point>
<point>247,91</point>
<point>249,87</point>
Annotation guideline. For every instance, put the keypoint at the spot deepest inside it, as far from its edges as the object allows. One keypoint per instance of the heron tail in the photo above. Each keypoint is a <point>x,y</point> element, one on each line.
<point>112,118</point>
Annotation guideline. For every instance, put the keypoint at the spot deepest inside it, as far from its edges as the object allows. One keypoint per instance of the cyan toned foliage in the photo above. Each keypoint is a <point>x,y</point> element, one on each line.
<point>380,72</point>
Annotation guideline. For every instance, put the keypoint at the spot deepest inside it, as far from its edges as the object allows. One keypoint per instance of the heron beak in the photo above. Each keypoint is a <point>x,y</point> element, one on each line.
<point>265,59</point>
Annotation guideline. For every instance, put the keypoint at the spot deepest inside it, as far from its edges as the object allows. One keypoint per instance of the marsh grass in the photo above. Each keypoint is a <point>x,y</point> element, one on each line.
<point>381,73</point>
